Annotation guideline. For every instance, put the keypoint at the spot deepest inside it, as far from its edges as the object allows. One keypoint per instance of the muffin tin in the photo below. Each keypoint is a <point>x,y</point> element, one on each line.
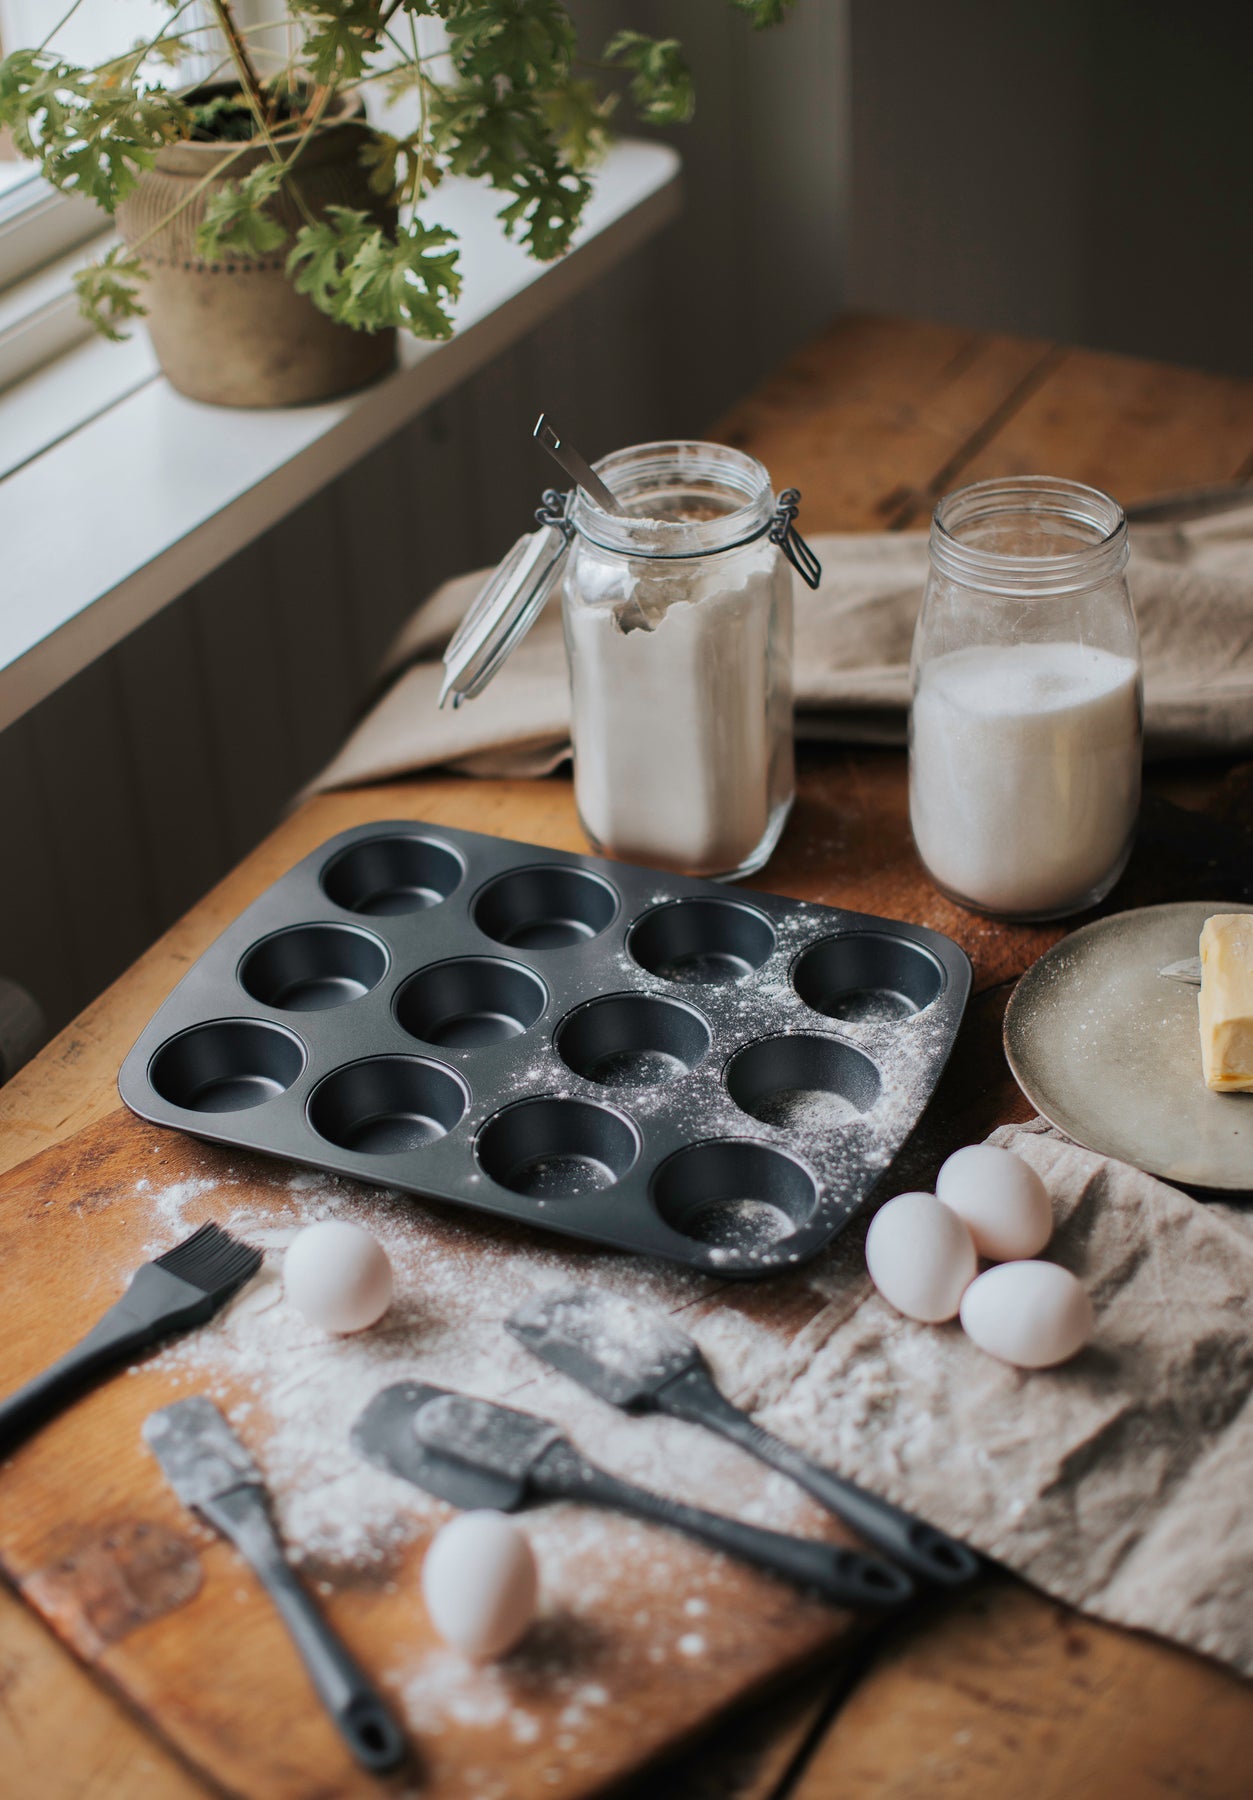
<point>632,1058</point>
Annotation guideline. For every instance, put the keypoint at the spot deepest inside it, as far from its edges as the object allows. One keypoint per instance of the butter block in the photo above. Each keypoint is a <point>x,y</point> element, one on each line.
<point>1227,1003</point>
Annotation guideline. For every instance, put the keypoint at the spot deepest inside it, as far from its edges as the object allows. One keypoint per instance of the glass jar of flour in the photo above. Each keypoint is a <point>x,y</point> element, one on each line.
<point>677,614</point>
<point>1026,722</point>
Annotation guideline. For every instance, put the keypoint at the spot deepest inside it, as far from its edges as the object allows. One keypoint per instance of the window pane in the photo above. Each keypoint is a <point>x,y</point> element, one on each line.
<point>91,35</point>
<point>13,174</point>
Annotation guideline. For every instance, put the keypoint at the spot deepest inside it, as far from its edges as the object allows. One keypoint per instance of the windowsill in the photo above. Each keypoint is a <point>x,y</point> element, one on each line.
<point>126,511</point>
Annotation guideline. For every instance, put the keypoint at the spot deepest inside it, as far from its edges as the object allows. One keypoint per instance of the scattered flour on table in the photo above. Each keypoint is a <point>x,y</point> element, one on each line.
<point>294,1392</point>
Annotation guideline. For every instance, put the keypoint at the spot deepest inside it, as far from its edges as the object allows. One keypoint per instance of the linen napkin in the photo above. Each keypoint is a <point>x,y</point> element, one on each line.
<point>1192,584</point>
<point>1119,1481</point>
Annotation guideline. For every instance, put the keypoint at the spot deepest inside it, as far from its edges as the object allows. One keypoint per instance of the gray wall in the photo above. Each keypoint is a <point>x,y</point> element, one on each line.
<point>1081,169</point>
<point>128,793</point>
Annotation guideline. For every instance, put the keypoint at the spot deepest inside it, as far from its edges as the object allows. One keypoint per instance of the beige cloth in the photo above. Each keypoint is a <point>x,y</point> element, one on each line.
<point>1119,1482</point>
<point>1193,589</point>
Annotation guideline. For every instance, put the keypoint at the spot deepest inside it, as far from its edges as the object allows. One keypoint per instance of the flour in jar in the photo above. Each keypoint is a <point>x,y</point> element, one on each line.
<point>1025,772</point>
<point>681,690</point>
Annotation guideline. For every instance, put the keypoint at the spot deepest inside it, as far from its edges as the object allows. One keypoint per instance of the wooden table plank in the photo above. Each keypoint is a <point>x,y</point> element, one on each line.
<point>1006,1693</point>
<point>1137,429</point>
<point>62,1736</point>
<point>872,421</point>
<point>874,411</point>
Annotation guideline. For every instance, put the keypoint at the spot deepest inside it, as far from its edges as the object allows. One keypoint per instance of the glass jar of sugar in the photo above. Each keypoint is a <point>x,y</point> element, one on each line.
<point>677,614</point>
<point>1027,714</point>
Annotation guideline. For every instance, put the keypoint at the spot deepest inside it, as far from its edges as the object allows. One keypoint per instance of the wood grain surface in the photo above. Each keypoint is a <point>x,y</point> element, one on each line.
<point>94,1538</point>
<point>1008,1694</point>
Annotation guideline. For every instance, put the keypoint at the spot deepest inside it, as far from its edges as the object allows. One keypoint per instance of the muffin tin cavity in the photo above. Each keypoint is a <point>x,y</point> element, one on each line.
<point>386,1104</point>
<point>310,967</point>
<point>868,977</point>
<point>545,909</point>
<point>226,1066</point>
<point>395,874</point>
<point>701,941</point>
<point>632,1040</point>
<point>735,1197</point>
<point>627,1057</point>
<point>555,1149</point>
<point>802,1084</point>
<point>471,1002</point>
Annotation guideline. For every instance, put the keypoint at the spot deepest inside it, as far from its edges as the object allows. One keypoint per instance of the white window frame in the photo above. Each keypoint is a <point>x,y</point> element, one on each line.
<point>38,225</point>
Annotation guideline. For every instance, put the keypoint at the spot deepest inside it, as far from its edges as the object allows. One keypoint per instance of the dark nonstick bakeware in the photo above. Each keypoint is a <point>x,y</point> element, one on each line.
<point>713,1076</point>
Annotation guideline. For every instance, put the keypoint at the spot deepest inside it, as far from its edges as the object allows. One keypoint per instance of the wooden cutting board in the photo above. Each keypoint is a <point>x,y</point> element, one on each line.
<point>645,1637</point>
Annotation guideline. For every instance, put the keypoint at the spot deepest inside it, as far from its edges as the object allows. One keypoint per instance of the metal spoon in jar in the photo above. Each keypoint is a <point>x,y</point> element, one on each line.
<point>576,467</point>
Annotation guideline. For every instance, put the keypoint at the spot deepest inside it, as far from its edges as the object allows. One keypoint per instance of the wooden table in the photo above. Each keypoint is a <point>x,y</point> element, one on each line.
<point>1003,1693</point>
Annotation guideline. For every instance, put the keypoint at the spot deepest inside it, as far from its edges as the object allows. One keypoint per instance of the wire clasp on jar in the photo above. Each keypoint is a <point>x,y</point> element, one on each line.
<point>554,511</point>
<point>783,532</point>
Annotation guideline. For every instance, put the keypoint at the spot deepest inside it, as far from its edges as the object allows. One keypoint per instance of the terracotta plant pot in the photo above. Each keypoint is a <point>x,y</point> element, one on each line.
<point>237,333</point>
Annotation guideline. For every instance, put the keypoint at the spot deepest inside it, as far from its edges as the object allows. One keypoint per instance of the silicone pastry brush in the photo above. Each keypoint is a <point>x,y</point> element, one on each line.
<point>184,1287</point>
<point>213,1474</point>
<point>641,1362</point>
<point>474,1453</point>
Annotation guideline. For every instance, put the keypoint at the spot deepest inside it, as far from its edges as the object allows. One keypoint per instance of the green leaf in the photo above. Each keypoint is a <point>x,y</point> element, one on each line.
<point>380,157</point>
<point>504,138</point>
<point>548,203</point>
<point>520,41</point>
<point>165,50</point>
<point>108,291</point>
<point>577,118</point>
<point>317,259</point>
<point>359,276</point>
<point>92,132</point>
<point>764,13</point>
<point>661,82</point>
<point>236,218</point>
<point>340,36</point>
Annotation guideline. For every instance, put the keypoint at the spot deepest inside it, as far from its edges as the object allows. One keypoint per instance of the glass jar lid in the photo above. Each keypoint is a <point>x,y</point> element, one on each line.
<point>503,611</point>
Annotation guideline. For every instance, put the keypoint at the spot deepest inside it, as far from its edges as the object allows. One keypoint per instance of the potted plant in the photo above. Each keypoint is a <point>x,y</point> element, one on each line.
<point>277,240</point>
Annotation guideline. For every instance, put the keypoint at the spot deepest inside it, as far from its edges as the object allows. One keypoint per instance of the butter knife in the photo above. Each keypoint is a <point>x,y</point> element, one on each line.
<point>1187,970</point>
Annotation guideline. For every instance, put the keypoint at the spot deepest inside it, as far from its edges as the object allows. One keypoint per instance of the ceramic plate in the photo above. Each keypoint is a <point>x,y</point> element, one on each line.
<point>1110,1052</point>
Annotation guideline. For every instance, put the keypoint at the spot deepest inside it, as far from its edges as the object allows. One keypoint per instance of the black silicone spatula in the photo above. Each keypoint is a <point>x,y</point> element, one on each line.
<point>640,1361</point>
<point>211,1472</point>
<point>476,1453</point>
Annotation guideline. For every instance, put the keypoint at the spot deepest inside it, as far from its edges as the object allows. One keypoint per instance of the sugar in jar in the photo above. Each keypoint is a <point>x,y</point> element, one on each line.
<point>1026,715</point>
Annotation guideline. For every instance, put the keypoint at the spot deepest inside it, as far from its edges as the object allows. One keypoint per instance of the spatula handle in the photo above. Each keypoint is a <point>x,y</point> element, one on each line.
<point>845,1577</point>
<point>921,1548</point>
<point>347,1693</point>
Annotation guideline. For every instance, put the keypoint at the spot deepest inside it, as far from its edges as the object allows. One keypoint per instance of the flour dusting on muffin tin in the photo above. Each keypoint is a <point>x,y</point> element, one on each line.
<point>659,1064</point>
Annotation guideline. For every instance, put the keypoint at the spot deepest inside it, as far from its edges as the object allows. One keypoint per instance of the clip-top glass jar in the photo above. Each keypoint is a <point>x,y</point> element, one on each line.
<point>678,630</point>
<point>1026,722</point>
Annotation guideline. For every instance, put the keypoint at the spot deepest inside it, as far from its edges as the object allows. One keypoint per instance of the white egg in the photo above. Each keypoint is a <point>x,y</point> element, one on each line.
<point>1001,1198</point>
<point>920,1257</point>
<point>1031,1314</point>
<point>480,1584</point>
<point>338,1276</point>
